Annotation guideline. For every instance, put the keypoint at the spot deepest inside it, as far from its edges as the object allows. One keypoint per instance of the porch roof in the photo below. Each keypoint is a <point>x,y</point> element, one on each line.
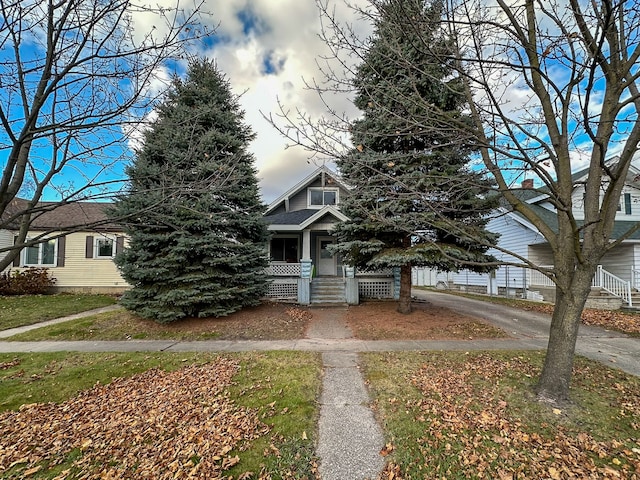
<point>620,227</point>
<point>301,219</point>
<point>291,218</point>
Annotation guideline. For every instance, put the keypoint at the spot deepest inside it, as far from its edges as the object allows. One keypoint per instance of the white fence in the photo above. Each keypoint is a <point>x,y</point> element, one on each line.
<point>539,279</point>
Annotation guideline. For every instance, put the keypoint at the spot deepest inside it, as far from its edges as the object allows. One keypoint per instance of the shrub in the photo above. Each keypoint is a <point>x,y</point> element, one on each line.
<point>26,282</point>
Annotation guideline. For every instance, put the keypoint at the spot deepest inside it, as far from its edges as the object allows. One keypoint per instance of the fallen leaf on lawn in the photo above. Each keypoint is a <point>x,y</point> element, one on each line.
<point>33,470</point>
<point>386,450</point>
<point>133,426</point>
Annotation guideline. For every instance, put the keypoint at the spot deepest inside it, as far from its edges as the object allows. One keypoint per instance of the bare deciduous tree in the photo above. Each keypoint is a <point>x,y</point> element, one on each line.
<point>551,87</point>
<point>75,74</point>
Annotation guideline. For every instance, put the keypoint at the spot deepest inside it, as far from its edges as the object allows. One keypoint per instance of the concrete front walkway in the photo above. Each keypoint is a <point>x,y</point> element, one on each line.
<point>349,438</point>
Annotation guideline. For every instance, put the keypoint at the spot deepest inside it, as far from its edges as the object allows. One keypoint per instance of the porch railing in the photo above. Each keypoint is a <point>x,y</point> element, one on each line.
<point>539,279</point>
<point>283,270</point>
<point>612,284</point>
<point>602,279</point>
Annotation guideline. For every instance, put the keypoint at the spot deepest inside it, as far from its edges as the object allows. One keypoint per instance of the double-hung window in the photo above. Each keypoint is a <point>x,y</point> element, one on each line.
<point>105,247</point>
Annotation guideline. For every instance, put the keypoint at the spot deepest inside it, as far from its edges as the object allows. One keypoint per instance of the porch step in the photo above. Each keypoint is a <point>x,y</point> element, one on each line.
<point>328,291</point>
<point>598,293</point>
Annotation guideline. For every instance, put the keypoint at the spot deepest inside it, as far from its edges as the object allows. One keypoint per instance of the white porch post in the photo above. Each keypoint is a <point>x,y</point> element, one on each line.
<point>306,272</point>
<point>306,244</point>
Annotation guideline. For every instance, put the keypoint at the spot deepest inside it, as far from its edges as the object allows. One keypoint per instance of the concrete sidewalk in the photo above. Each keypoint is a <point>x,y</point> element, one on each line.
<point>305,344</point>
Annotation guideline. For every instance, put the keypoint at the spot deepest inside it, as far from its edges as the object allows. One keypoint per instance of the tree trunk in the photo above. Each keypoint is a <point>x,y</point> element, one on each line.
<point>554,381</point>
<point>404,304</point>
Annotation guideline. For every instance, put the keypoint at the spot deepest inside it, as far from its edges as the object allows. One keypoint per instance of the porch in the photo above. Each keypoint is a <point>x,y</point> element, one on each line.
<point>608,291</point>
<point>298,282</point>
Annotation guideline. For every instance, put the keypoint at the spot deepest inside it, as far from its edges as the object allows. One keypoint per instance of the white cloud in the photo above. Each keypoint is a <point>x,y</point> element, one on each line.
<point>268,49</point>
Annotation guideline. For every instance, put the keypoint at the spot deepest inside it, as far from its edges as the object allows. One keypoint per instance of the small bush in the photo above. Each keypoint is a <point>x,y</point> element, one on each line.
<point>26,282</point>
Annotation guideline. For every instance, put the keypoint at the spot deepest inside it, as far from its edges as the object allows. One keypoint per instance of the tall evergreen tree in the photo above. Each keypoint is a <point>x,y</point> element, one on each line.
<point>415,202</point>
<point>197,241</point>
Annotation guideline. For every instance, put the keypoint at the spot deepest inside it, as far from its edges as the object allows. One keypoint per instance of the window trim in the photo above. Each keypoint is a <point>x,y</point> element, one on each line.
<point>40,246</point>
<point>96,248</point>
<point>322,189</point>
<point>280,236</point>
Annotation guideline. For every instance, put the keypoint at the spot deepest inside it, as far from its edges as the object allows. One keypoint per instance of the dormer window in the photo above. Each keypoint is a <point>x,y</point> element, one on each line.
<point>319,197</point>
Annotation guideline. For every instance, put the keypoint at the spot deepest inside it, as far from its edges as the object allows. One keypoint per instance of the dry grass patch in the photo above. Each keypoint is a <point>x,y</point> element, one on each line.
<point>381,321</point>
<point>268,321</point>
<point>455,416</point>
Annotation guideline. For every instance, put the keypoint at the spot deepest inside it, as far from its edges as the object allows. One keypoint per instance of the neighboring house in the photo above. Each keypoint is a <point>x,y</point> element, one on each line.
<point>81,260</point>
<point>619,272</point>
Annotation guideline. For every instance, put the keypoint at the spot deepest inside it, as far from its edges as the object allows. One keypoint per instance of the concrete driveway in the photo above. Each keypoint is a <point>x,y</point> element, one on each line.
<point>611,348</point>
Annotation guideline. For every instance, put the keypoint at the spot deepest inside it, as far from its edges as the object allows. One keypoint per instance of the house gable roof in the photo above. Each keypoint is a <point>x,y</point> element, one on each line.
<point>50,216</point>
<point>304,183</point>
<point>538,196</point>
<point>633,175</point>
<point>620,227</point>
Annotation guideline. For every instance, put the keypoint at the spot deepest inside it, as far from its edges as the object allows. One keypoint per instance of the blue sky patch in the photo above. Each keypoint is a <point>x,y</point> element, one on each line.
<point>251,23</point>
<point>272,64</point>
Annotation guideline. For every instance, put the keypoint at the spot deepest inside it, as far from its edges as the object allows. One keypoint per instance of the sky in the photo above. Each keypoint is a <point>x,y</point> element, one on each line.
<point>269,49</point>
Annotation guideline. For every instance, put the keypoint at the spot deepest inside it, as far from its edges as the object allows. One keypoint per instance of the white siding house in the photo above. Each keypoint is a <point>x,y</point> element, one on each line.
<point>620,265</point>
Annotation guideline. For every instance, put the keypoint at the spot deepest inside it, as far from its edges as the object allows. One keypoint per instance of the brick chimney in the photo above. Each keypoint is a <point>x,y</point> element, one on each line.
<point>527,183</point>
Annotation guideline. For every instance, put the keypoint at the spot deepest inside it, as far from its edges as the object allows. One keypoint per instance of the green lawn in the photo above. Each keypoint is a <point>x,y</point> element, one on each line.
<point>455,416</point>
<point>446,414</point>
<point>280,388</point>
<point>29,309</point>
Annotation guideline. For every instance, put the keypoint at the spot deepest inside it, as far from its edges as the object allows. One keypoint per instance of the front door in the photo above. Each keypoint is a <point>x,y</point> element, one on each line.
<point>326,261</point>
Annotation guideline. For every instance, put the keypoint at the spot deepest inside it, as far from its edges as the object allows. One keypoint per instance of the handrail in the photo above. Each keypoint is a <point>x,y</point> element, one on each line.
<point>602,279</point>
<point>612,284</point>
<point>537,278</point>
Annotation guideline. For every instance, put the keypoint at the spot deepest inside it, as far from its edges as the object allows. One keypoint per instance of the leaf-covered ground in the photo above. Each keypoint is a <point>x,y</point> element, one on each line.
<point>180,424</point>
<point>381,321</point>
<point>472,417</point>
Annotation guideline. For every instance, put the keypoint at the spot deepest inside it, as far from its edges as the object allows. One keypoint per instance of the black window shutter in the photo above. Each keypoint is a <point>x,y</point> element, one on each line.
<point>88,251</point>
<point>627,203</point>
<point>62,243</point>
